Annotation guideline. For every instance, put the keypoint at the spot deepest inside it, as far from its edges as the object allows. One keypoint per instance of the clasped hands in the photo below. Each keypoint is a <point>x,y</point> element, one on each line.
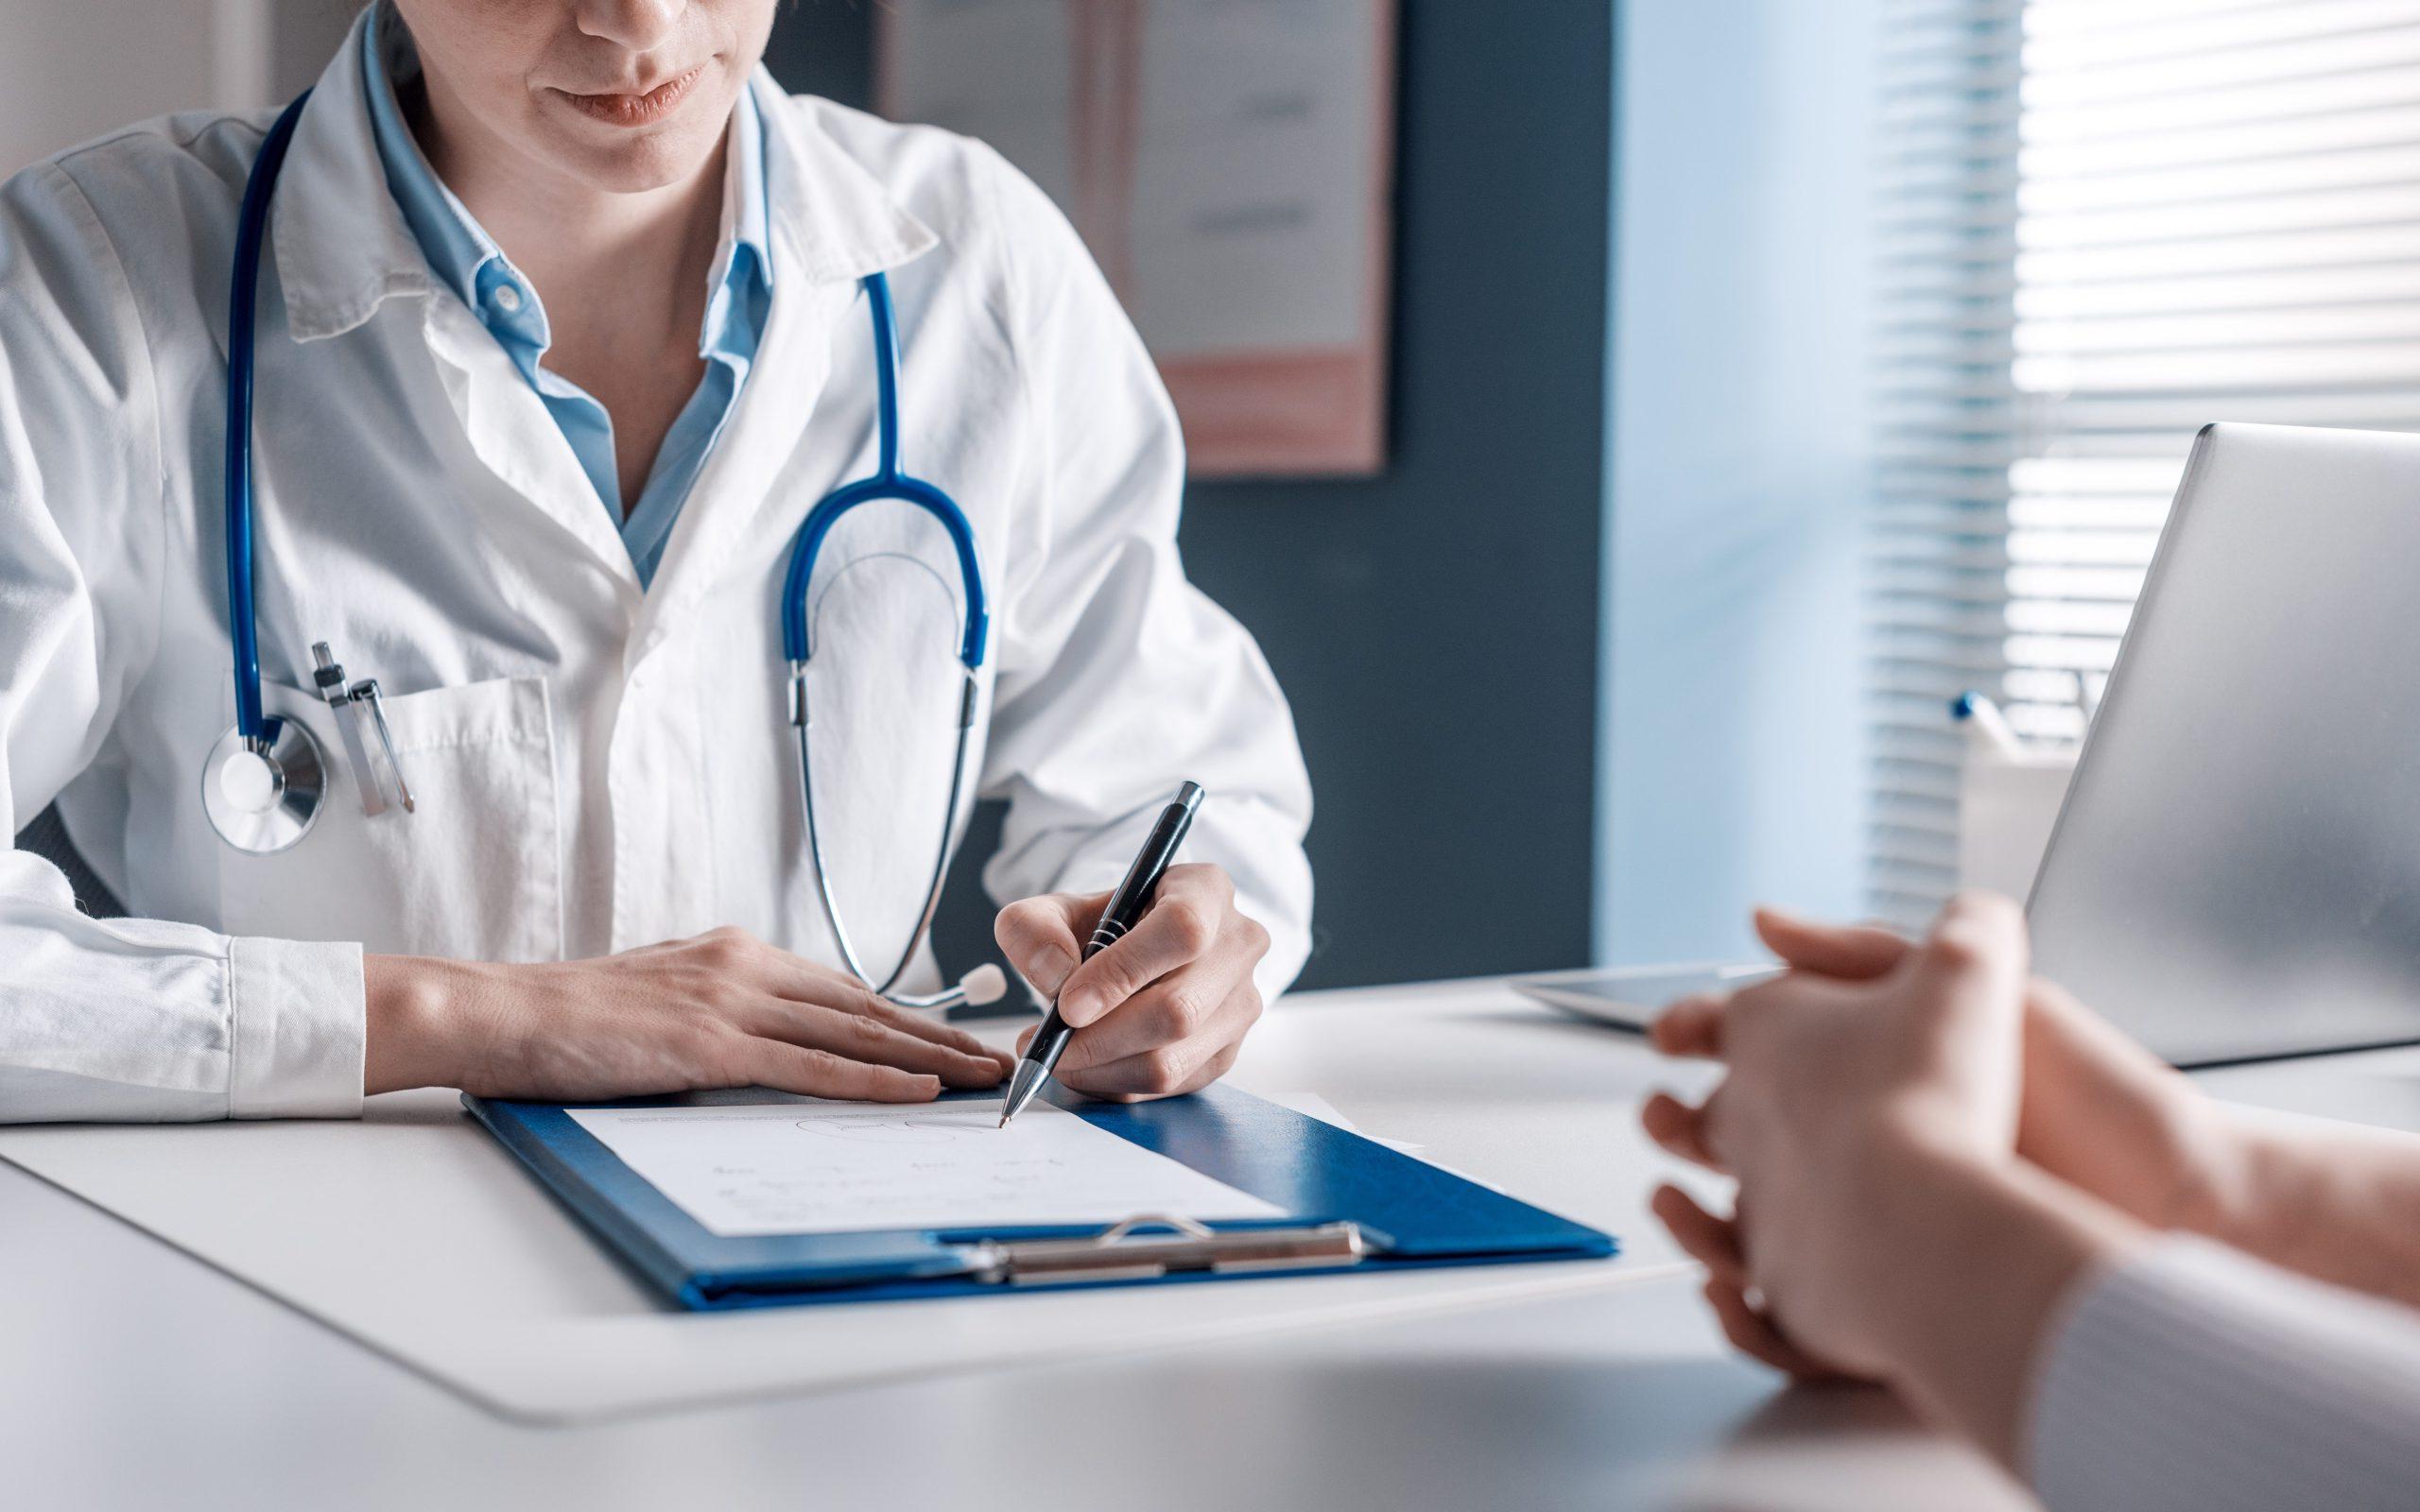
<point>1897,1114</point>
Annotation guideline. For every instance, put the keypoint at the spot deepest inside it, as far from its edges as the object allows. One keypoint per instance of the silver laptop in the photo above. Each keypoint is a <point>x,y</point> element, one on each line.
<point>2236,874</point>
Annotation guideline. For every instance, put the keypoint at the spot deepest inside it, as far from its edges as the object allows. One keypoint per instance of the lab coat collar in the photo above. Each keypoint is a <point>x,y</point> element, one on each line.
<point>343,248</point>
<point>833,223</point>
<point>341,244</point>
<point>838,220</point>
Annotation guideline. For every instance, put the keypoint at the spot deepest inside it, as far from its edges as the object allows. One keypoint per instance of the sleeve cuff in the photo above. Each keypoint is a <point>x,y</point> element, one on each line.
<point>2194,1378</point>
<point>299,1028</point>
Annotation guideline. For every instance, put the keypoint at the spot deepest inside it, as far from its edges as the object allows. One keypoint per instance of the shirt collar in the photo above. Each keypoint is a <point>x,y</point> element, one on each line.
<point>467,259</point>
<point>342,251</point>
<point>451,240</point>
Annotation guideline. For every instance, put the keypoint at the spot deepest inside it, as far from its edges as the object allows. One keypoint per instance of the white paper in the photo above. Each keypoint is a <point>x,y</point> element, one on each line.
<point>1311,1105</point>
<point>820,1168</point>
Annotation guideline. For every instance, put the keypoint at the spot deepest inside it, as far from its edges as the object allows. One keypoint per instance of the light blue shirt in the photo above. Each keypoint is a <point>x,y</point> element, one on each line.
<point>470,264</point>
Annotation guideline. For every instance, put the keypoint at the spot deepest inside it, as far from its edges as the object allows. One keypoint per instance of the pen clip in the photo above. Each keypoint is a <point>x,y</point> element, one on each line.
<point>328,675</point>
<point>366,692</point>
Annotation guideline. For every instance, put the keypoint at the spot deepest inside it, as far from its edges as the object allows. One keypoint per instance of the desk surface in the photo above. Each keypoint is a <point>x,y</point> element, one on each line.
<point>132,1376</point>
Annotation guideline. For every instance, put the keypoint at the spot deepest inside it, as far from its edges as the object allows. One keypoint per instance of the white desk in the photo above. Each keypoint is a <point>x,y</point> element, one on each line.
<point>134,1376</point>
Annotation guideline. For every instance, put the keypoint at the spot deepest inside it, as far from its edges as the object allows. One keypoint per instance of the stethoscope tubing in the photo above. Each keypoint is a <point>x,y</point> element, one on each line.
<point>890,482</point>
<point>243,623</point>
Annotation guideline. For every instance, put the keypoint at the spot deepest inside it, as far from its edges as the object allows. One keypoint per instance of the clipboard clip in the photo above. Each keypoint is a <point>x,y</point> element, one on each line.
<point>1124,1252</point>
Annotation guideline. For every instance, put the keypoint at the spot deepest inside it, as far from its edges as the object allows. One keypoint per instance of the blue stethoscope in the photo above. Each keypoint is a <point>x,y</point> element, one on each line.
<point>266,779</point>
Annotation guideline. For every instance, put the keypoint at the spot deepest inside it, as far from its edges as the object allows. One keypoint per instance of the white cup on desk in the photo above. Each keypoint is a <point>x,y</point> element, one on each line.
<point>2009,793</point>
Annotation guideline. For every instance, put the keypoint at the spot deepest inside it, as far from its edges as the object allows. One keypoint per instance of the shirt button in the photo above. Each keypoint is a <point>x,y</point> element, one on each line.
<point>508,298</point>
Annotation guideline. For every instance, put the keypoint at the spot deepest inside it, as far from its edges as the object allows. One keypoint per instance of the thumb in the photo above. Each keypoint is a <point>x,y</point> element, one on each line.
<point>1042,936</point>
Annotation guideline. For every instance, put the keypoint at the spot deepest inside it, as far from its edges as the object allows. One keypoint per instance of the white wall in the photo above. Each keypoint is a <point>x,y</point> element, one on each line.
<point>303,36</point>
<point>73,69</point>
<point>1732,760</point>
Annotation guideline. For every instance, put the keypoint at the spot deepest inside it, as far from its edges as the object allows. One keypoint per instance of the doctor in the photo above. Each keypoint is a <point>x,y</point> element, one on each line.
<point>566,322</point>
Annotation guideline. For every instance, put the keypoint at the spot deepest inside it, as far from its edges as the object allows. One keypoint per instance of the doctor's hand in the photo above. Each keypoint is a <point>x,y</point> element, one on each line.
<point>1160,1012</point>
<point>723,1010</point>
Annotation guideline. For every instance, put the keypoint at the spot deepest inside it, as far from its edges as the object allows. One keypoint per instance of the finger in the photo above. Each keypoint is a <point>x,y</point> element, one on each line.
<point>1043,937</point>
<point>1179,1006</point>
<point>1189,910</point>
<point>1167,1069</point>
<point>1712,1241</point>
<point>1977,945</point>
<point>1692,1027</point>
<point>809,985</point>
<point>813,987</point>
<point>867,1037</point>
<point>924,1027</point>
<point>1858,953</point>
<point>1754,1334</point>
<point>820,1074</point>
<point>1679,1130</point>
<point>1139,1080</point>
<point>1162,1069</point>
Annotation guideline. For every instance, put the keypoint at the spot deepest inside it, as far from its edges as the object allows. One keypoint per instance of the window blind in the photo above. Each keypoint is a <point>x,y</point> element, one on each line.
<point>2104,224</point>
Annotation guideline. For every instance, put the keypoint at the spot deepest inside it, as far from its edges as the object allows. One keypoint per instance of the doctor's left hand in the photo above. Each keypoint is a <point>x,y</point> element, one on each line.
<point>1165,1010</point>
<point>722,1010</point>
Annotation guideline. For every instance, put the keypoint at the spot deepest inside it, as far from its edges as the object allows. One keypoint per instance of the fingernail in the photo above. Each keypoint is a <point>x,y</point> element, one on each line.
<point>1048,968</point>
<point>1079,1008</point>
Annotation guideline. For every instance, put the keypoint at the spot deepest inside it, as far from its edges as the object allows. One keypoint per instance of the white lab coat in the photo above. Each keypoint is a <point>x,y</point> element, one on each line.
<point>597,767</point>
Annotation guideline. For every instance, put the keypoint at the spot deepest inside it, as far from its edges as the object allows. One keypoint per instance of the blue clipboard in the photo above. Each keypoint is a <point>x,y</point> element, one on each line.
<point>1350,1203</point>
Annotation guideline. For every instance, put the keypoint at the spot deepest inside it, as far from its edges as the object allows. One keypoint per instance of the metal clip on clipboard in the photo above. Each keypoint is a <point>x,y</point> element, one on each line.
<point>1120,1253</point>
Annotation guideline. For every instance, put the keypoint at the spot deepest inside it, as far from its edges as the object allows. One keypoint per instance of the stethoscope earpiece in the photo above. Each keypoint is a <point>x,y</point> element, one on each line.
<point>987,984</point>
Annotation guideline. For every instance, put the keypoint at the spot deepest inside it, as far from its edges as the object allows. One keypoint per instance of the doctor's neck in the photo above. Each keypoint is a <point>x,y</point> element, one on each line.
<point>588,139</point>
<point>586,246</point>
<point>581,244</point>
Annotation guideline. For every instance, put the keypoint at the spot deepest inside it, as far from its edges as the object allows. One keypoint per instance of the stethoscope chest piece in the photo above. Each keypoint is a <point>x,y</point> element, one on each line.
<point>262,797</point>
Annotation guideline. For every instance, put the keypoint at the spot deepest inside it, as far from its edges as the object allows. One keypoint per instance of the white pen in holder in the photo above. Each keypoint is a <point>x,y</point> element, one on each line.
<point>2009,793</point>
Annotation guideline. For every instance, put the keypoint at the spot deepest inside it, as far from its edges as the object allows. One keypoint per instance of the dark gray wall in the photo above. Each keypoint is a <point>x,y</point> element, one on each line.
<point>1437,629</point>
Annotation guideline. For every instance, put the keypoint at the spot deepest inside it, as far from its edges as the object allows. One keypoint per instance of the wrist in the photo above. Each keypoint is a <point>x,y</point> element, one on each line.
<point>408,1006</point>
<point>2219,1167</point>
<point>1989,1253</point>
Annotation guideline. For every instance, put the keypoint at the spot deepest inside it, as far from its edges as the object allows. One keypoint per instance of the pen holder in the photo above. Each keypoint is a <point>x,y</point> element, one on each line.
<point>2007,805</point>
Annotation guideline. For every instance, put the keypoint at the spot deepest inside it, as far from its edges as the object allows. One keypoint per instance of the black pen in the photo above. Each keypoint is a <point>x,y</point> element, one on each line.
<point>1125,909</point>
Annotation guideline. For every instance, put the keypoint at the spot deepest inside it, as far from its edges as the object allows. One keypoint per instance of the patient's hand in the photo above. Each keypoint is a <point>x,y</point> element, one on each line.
<point>2099,1112</point>
<point>1833,1084</point>
<point>1885,1226</point>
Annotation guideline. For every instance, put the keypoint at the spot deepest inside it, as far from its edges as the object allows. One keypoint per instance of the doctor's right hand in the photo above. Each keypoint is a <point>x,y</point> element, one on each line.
<point>723,1010</point>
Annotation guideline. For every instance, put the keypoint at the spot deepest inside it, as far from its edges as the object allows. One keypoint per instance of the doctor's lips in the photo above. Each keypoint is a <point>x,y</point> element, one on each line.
<point>638,108</point>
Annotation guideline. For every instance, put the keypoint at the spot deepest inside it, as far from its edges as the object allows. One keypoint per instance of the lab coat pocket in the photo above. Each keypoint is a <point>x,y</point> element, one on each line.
<point>473,872</point>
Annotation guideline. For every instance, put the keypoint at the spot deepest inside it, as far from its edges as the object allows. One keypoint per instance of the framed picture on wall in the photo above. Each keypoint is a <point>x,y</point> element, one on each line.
<point>1231,164</point>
